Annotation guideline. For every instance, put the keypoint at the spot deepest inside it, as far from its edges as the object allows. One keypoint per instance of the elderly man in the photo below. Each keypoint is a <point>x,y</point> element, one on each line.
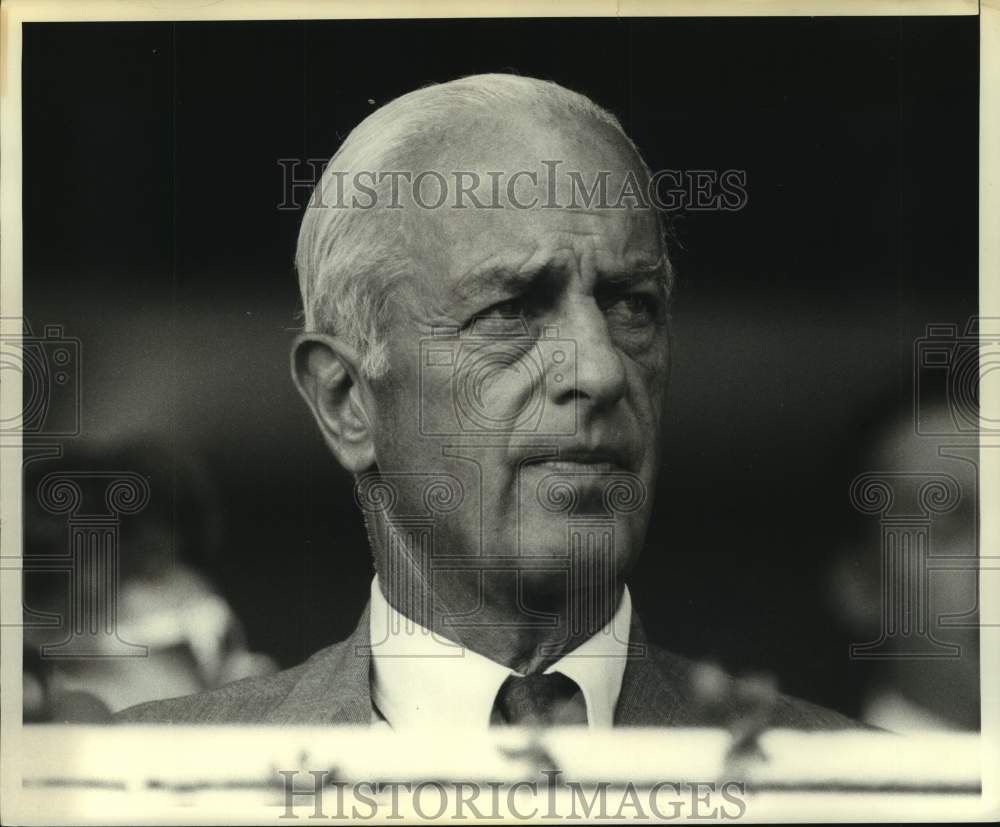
<point>485,287</point>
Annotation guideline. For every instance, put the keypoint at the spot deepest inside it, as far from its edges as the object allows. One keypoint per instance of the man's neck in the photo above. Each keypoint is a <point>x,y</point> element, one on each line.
<point>501,616</point>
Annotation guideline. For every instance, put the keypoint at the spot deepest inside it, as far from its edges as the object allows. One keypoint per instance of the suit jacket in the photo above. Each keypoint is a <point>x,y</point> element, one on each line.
<point>333,687</point>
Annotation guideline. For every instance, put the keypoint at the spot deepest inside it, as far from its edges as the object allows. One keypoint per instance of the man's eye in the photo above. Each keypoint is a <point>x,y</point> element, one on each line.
<point>632,308</point>
<point>508,318</point>
<point>512,308</point>
<point>531,303</point>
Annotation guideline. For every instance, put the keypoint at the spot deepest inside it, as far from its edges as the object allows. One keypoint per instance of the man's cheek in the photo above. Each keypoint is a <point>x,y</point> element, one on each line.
<point>648,390</point>
<point>651,360</point>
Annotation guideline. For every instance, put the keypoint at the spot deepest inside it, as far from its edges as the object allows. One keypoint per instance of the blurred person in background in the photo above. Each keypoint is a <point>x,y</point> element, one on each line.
<point>164,601</point>
<point>903,689</point>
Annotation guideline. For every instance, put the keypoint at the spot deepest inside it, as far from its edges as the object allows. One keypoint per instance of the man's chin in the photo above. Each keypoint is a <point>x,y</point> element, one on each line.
<point>553,536</point>
<point>568,559</point>
<point>590,592</point>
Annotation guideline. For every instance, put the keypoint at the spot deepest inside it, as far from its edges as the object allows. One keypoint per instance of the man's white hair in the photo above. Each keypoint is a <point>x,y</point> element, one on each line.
<point>349,258</point>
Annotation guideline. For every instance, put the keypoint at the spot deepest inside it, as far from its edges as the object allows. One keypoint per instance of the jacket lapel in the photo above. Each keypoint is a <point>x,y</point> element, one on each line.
<point>335,686</point>
<point>648,696</point>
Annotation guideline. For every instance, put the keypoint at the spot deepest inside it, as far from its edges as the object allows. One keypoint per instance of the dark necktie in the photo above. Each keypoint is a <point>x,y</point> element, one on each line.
<point>540,701</point>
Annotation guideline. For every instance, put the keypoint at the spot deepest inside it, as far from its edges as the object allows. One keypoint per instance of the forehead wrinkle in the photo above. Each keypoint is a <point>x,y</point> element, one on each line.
<point>505,281</point>
<point>504,266</point>
<point>512,267</point>
<point>592,262</point>
<point>660,267</point>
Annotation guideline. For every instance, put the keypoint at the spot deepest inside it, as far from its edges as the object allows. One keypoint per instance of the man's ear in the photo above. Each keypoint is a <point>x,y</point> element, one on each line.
<point>327,372</point>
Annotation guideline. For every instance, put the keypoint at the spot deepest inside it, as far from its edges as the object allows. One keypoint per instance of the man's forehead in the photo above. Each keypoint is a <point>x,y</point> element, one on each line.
<point>538,195</point>
<point>514,138</point>
<point>561,254</point>
<point>459,247</point>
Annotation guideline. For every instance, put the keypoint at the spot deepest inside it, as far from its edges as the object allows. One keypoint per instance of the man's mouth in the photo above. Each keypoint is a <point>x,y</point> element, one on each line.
<point>583,481</point>
<point>582,461</point>
<point>577,466</point>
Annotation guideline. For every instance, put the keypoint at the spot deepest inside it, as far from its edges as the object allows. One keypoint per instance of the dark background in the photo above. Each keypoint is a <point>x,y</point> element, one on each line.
<point>152,233</point>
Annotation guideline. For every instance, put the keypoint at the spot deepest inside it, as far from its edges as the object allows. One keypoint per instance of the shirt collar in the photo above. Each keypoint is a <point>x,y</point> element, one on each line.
<point>423,679</point>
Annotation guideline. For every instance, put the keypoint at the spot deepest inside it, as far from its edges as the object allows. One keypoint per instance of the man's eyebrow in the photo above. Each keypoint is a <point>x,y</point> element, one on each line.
<point>637,272</point>
<point>503,278</point>
<point>661,265</point>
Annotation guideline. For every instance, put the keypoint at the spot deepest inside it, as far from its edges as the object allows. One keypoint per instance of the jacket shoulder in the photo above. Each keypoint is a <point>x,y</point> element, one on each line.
<point>795,713</point>
<point>783,711</point>
<point>244,701</point>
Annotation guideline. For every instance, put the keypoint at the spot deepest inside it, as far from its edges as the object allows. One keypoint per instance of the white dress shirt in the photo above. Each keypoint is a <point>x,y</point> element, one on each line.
<point>420,678</point>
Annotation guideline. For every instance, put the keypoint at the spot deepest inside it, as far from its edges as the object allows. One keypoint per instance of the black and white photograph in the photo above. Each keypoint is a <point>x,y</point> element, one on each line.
<point>520,416</point>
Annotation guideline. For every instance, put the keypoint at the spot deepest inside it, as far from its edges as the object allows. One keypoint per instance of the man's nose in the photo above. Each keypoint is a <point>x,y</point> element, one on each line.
<point>594,370</point>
